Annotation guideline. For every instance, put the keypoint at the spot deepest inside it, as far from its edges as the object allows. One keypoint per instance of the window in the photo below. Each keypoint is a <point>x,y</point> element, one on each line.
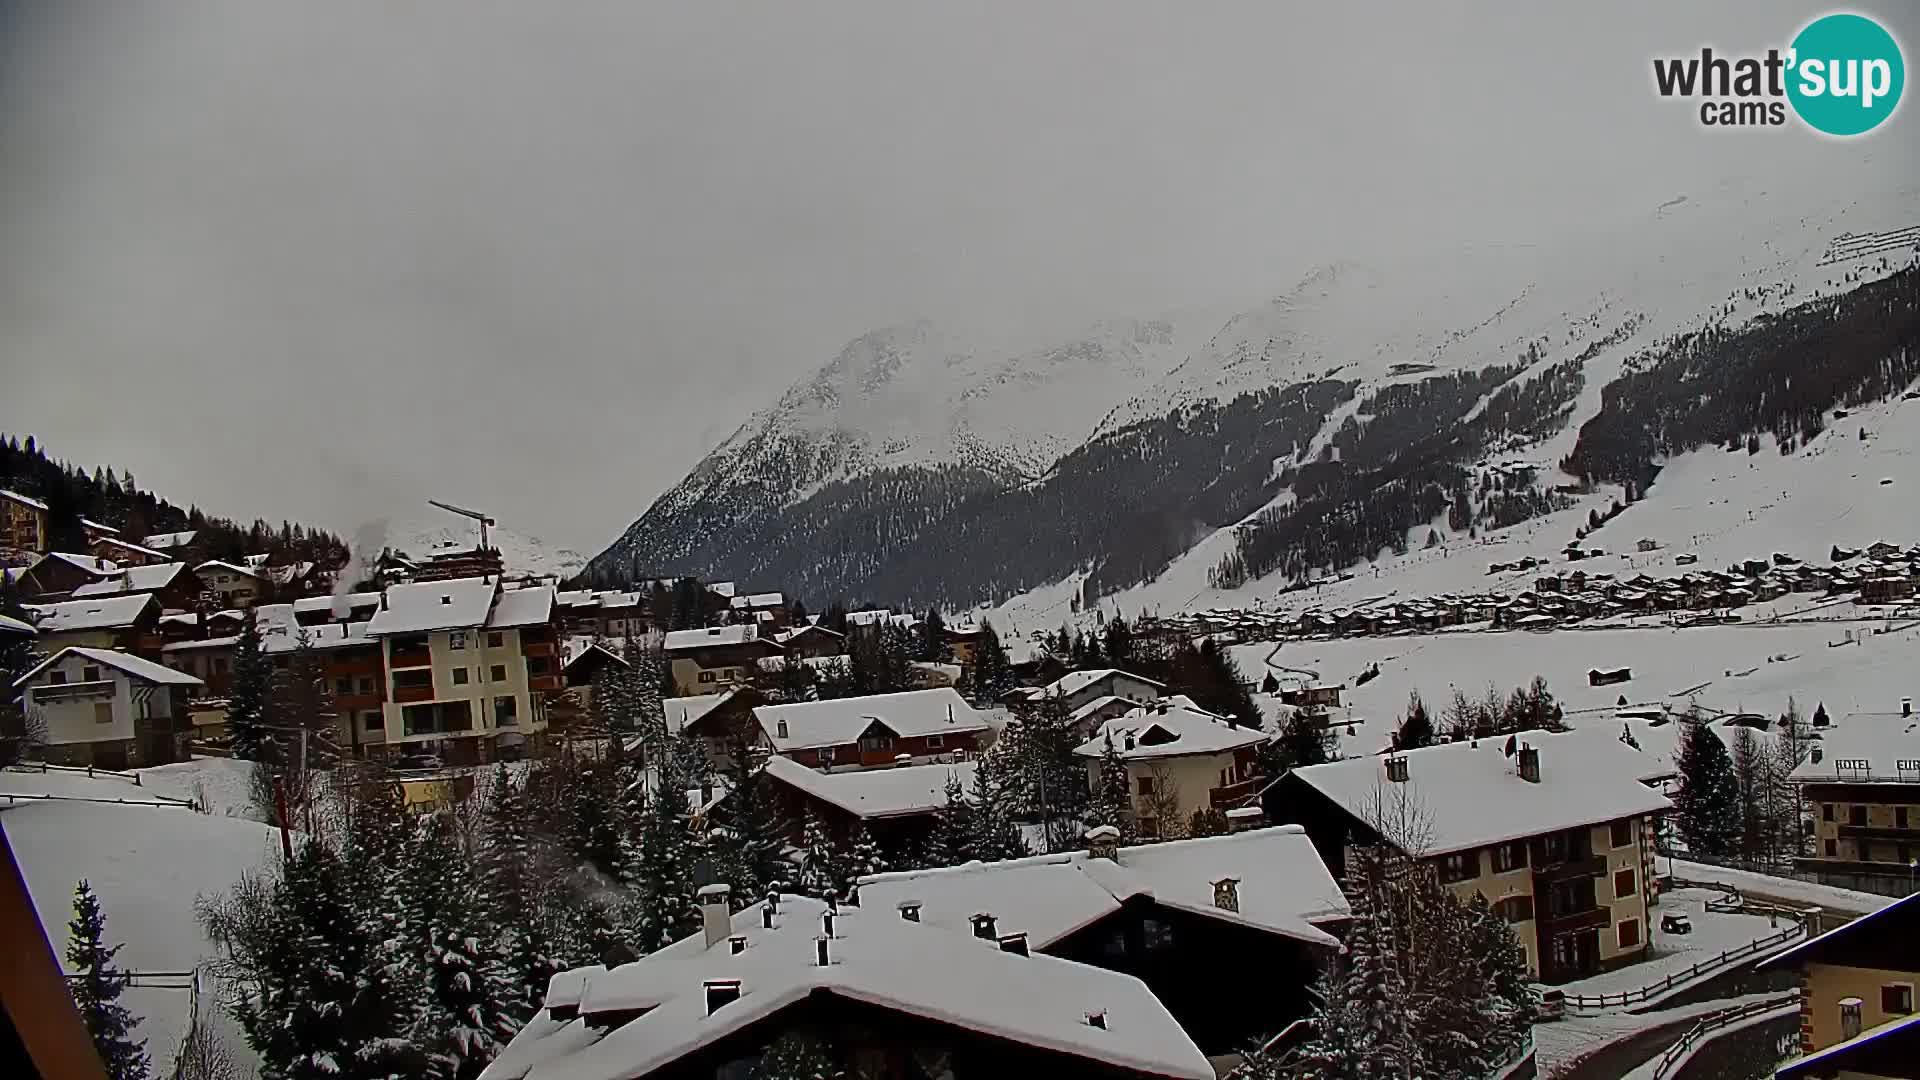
<point>706,676</point>
<point>1460,866</point>
<point>1509,857</point>
<point>459,676</point>
<point>876,743</point>
<point>498,673</point>
<point>457,639</point>
<point>1517,908</point>
<point>1856,815</point>
<point>1623,834</point>
<point>496,639</point>
<point>1826,811</point>
<point>1896,999</point>
<point>826,754</point>
<point>1833,848</point>
<point>1623,883</point>
<point>505,712</point>
<point>343,685</point>
<point>90,673</point>
<point>538,665</point>
<point>366,684</point>
<point>413,679</point>
<point>1146,785</point>
<point>936,742</point>
<point>374,720</point>
<point>1629,931</point>
<point>1156,935</point>
<point>103,712</point>
<point>56,677</point>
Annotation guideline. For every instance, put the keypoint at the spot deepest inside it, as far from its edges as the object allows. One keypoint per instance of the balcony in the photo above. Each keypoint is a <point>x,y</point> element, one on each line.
<point>549,683</point>
<point>1588,919</point>
<point>540,648</point>
<point>1237,794</point>
<point>1585,867</point>
<point>406,694</point>
<point>408,658</point>
<point>1880,832</point>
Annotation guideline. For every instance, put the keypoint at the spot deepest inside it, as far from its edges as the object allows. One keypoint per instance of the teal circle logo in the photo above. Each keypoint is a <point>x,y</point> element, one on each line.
<point>1846,74</point>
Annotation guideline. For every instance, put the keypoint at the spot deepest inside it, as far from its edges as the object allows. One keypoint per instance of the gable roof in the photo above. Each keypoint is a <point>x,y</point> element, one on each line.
<point>1180,730</point>
<point>1284,887</point>
<point>1871,747</point>
<point>99,613</point>
<point>1877,1051</point>
<point>115,541</point>
<point>1075,681</point>
<point>901,791</point>
<point>785,636</point>
<point>422,606</point>
<point>522,607</point>
<point>1473,795</point>
<point>133,579</point>
<point>172,539</point>
<point>134,666</point>
<point>681,711</point>
<point>1896,926</point>
<point>98,567</point>
<point>23,500</point>
<point>600,652</point>
<point>711,636</point>
<point>878,959</point>
<point>839,721</point>
<point>15,626</point>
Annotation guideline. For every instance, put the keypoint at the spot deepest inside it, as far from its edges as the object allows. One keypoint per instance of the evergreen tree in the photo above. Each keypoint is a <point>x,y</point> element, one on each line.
<point>1207,821</point>
<point>96,991</point>
<point>1044,780</point>
<point>951,842</point>
<point>1506,1007</point>
<point>468,993</point>
<point>821,872</point>
<point>993,832</point>
<point>658,866</point>
<point>1304,742</point>
<point>1112,800</point>
<point>991,674</point>
<point>1707,806</point>
<point>932,646</point>
<point>520,906</point>
<point>250,699</point>
<point>1416,727</point>
<point>862,859</point>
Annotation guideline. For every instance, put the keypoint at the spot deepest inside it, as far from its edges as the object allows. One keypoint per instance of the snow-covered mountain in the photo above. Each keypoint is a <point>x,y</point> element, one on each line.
<point>915,467</point>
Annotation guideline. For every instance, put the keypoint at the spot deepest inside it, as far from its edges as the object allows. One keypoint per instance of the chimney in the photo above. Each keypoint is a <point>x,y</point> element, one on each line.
<point>983,926</point>
<point>910,910</point>
<point>1130,743</point>
<point>721,992</point>
<point>1245,819</point>
<point>780,726</point>
<point>1817,755</point>
<point>1015,944</point>
<point>1097,1019</point>
<point>766,916</point>
<point>1103,842</point>
<point>1906,706</point>
<point>822,957</point>
<point>826,924</point>
<point>1398,768</point>
<point>1530,764</point>
<point>737,944</point>
<point>446,598</point>
<point>715,916</point>
<point>1850,1018</point>
<point>1226,894</point>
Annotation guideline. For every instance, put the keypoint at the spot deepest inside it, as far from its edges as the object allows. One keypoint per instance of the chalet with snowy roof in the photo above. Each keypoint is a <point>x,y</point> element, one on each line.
<point>896,806</point>
<point>24,522</point>
<point>56,574</point>
<point>1179,759</point>
<point>723,722</point>
<point>770,607</point>
<point>173,584</point>
<point>125,552</point>
<point>811,641</point>
<point>178,545</point>
<point>711,658</point>
<point>1862,782</point>
<point>470,667</point>
<point>899,998</point>
<point>231,585</point>
<point>127,623</point>
<point>876,621</point>
<point>1857,989</point>
<point>107,708</point>
<point>339,608</point>
<point>1166,913</point>
<point>964,642</point>
<point>878,730</point>
<point>1077,688</point>
<point>1556,839</point>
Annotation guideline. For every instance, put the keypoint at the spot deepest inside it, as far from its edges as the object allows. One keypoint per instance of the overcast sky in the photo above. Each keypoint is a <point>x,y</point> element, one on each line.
<point>322,260</point>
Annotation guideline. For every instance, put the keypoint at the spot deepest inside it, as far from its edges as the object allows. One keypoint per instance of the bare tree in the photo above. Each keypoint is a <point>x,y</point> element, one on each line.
<point>23,734</point>
<point>1163,802</point>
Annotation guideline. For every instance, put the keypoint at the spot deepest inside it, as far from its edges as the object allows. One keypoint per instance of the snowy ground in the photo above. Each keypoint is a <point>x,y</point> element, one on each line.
<point>220,786</point>
<point>1646,1069</point>
<point>1563,1044</point>
<point>1784,890</point>
<point>148,864</point>
<point>1736,668</point>
<point>1675,953</point>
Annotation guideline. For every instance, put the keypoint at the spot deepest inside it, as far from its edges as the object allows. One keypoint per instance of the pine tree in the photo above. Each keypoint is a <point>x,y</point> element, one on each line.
<point>519,905</point>
<point>991,674</point>
<point>1112,801</point>
<point>1707,807</point>
<point>249,700</point>
<point>96,991</point>
<point>993,833</point>
<point>468,993</point>
<point>862,859</point>
<point>1416,728</point>
<point>932,646</point>
<point>1506,1004</point>
<point>657,867</point>
<point>796,1055</point>
<point>821,873</point>
<point>951,841</point>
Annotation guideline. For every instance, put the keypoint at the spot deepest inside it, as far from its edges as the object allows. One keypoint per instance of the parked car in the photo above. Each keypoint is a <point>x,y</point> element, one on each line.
<point>1676,922</point>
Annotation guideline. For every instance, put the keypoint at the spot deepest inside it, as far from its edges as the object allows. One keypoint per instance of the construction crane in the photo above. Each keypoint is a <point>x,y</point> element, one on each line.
<point>476,515</point>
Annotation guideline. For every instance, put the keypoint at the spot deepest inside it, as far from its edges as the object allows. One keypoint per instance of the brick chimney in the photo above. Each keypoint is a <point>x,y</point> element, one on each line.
<point>1103,842</point>
<point>1398,768</point>
<point>1226,894</point>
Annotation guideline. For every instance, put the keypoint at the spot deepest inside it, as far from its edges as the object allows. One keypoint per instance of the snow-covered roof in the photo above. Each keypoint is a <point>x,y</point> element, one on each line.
<point>876,958</point>
<point>133,579</point>
<point>144,552</point>
<point>285,637</point>
<point>839,721</point>
<point>171,540</point>
<point>421,606</point>
<point>1179,730</point>
<point>1877,1047</point>
<point>721,588</point>
<point>758,600</point>
<point>249,570</point>
<point>96,566</point>
<point>1085,712</point>
<point>870,617</point>
<point>102,613</point>
<point>900,791</point>
<point>711,636</point>
<point>327,603</point>
<point>134,666</point>
<point>1473,795</point>
<point>1908,908</point>
<point>1283,887</point>
<point>522,607</point>
<point>1075,681</point>
<point>15,626</point>
<point>1866,748</point>
<point>784,636</point>
<point>681,711</point>
<point>24,500</point>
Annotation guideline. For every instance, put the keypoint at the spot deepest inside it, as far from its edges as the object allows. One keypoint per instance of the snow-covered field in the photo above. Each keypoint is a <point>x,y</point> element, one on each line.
<point>148,864</point>
<point>1713,933</point>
